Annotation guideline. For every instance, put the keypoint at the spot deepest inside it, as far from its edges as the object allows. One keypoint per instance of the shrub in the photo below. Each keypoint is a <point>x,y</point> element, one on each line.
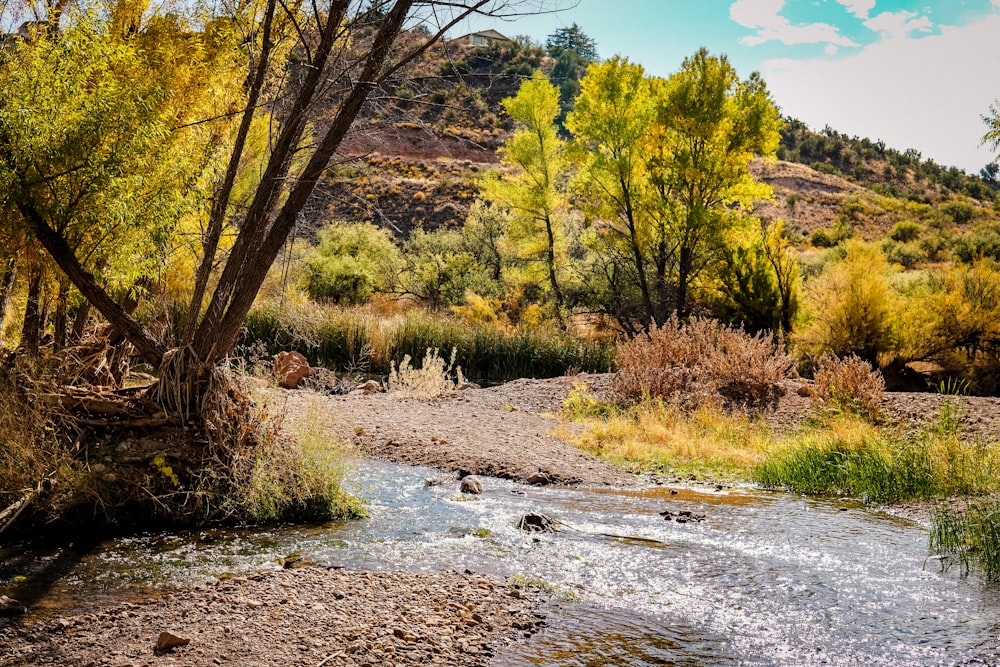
<point>906,255</point>
<point>701,363</point>
<point>961,212</point>
<point>850,385</point>
<point>433,378</point>
<point>851,308</point>
<point>905,231</point>
<point>30,446</point>
<point>350,262</point>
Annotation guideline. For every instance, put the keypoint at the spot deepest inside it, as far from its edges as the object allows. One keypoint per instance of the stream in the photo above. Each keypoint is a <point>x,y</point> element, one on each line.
<point>765,579</point>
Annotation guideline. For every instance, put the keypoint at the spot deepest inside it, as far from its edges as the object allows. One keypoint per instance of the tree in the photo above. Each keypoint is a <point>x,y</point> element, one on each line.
<point>573,51</point>
<point>115,118</point>
<point>665,165</point>
<point>611,129</point>
<point>709,126</point>
<point>89,165</point>
<point>992,120</point>
<point>758,280</point>
<point>350,262</point>
<point>530,192</point>
<point>334,66</point>
<point>851,308</point>
<point>574,39</point>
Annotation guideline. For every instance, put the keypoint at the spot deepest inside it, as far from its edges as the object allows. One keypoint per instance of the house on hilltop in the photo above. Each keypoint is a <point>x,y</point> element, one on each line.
<point>483,38</point>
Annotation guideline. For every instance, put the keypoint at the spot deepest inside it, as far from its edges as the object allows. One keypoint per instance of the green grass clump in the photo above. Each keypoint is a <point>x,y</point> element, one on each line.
<point>298,479</point>
<point>581,404</point>
<point>849,456</point>
<point>971,538</point>
<point>871,465</point>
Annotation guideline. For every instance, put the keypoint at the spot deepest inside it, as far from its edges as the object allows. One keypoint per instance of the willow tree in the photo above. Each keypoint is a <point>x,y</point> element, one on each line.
<point>89,165</point>
<point>531,189</point>
<point>312,66</point>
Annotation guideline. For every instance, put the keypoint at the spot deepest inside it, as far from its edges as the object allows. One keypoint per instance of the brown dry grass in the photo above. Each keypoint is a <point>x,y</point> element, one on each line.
<point>849,384</point>
<point>702,363</point>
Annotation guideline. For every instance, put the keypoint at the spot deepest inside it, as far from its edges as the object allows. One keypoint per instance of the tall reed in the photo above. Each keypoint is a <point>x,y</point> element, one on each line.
<point>971,538</point>
<point>355,338</point>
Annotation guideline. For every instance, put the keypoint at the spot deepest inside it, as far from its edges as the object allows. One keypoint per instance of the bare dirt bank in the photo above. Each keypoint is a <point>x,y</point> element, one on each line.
<point>503,431</point>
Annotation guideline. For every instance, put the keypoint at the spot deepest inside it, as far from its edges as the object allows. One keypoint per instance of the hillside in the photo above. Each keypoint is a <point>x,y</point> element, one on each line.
<point>418,153</point>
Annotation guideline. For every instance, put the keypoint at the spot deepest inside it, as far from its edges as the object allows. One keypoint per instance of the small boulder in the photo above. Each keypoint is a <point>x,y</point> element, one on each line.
<point>366,388</point>
<point>538,479</point>
<point>471,485</point>
<point>291,368</point>
<point>168,641</point>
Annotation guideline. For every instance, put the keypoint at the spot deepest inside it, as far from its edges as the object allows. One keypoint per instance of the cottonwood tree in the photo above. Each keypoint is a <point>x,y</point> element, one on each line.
<point>531,189</point>
<point>611,126</point>
<point>664,169</point>
<point>709,126</point>
<point>311,91</point>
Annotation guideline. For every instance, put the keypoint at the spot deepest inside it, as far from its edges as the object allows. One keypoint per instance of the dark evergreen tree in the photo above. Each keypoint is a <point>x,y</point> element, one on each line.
<point>572,38</point>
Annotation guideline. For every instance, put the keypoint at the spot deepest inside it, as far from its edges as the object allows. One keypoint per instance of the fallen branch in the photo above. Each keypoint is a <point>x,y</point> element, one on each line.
<point>13,511</point>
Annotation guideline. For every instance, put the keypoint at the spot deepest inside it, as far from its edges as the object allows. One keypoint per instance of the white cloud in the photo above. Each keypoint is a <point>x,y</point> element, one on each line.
<point>765,17</point>
<point>899,24</point>
<point>861,8</point>
<point>928,93</point>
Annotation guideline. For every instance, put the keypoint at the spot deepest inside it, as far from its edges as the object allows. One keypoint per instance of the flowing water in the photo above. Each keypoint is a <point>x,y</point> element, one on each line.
<point>765,579</point>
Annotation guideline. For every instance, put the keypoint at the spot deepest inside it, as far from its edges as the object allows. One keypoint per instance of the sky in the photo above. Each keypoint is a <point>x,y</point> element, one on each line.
<point>914,74</point>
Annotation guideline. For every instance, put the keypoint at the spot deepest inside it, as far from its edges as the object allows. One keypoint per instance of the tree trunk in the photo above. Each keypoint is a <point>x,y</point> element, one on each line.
<point>147,347</point>
<point>31,328</point>
<point>217,217</point>
<point>683,276</point>
<point>550,261</point>
<point>640,262</point>
<point>80,322</point>
<point>6,291</point>
<point>248,264</point>
<point>59,323</point>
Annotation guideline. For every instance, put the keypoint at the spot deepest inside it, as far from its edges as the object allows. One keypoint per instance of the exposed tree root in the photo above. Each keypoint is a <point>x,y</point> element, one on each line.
<point>190,449</point>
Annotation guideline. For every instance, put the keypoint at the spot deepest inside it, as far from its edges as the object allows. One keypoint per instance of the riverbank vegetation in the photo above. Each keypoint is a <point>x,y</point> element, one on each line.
<point>834,452</point>
<point>613,205</point>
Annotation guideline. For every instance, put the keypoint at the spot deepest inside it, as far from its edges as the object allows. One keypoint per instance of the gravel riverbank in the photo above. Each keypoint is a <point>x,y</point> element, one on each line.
<point>305,616</point>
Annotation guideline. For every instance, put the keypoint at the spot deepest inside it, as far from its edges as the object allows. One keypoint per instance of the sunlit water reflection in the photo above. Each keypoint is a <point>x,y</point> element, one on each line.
<point>765,579</point>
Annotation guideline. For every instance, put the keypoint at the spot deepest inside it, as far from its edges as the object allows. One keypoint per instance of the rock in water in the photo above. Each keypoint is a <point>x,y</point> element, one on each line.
<point>538,479</point>
<point>168,641</point>
<point>537,523</point>
<point>291,368</point>
<point>471,485</point>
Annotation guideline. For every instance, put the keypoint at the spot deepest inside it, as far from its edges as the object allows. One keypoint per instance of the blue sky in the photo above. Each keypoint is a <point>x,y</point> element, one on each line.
<point>914,74</point>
